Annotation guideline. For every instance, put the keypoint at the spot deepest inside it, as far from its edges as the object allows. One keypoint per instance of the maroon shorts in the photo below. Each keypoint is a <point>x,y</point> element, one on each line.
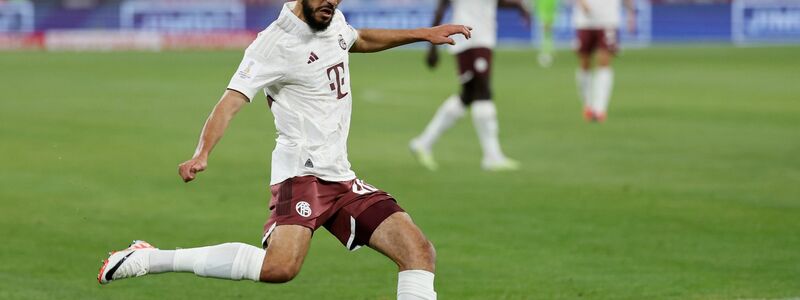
<point>590,40</point>
<point>474,72</point>
<point>350,210</point>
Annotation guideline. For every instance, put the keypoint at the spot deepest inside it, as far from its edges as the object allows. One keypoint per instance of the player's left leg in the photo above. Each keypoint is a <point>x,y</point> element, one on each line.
<point>484,114</point>
<point>402,241</point>
<point>586,46</point>
<point>604,74</point>
<point>235,261</point>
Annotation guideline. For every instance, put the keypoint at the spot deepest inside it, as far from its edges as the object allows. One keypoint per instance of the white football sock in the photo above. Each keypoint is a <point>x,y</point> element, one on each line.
<point>233,261</point>
<point>603,84</point>
<point>584,80</point>
<point>484,117</point>
<point>451,110</point>
<point>415,285</point>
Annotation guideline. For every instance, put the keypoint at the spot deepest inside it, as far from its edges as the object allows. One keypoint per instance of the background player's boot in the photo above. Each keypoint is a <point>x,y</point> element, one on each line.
<point>500,165</point>
<point>131,262</point>
<point>588,114</point>
<point>423,156</point>
<point>545,60</point>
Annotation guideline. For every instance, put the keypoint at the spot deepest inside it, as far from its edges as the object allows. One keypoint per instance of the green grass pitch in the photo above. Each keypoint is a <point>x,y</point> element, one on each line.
<point>691,190</point>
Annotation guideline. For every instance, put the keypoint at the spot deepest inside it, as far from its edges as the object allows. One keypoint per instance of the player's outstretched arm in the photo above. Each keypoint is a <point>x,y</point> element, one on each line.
<point>374,40</point>
<point>215,126</point>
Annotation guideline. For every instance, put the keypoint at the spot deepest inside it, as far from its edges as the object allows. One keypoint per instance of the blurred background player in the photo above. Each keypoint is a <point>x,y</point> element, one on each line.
<point>546,13</point>
<point>597,23</point>
<point>474,58</point>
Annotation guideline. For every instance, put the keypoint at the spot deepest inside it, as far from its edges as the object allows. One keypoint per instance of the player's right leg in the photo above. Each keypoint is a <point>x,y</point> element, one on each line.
<point>280,262</point>
<point>583,76</point>
<point>603,82</point>
<point>402,241</point>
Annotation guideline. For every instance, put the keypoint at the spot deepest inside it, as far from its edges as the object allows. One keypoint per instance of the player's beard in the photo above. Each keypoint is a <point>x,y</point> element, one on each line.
<point>312,22</point>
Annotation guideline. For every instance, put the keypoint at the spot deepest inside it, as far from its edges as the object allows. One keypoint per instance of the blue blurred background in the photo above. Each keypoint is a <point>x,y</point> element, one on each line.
<point>155,25</point>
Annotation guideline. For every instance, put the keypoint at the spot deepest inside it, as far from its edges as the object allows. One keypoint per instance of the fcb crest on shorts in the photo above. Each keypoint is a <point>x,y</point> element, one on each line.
<point>342,43</point>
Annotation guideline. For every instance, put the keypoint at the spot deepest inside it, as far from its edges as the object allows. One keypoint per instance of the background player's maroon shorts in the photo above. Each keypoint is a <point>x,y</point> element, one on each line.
<point>590,40</point>
<point>350,210</point>
<point>474,72</point>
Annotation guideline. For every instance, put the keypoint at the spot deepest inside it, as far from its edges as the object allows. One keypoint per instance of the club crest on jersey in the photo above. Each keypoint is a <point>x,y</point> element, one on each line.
<point>303,209</point>
<point>342,43</point>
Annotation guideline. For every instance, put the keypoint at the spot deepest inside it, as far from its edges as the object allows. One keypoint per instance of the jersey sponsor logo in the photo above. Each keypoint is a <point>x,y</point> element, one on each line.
<point>303,209</point>
<point>342,43</point>
<point>336,77</point>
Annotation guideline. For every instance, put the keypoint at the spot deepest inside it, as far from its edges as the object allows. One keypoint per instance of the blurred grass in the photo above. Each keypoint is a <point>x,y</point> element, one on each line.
<point>690,191</point>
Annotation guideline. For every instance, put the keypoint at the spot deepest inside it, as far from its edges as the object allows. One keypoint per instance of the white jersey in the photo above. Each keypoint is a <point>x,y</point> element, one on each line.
<point>307,75</point>
<point>603,14</point>
<point>481,15</point>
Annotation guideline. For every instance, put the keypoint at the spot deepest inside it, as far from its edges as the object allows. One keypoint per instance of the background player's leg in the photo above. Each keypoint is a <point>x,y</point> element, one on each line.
<point>448,113</point>
<point>484,116</point>
<point>546,44</point>
<point>451,111</point>
<point>583,78</point>
<point>603,83</point>
<point>402,241</point>
<point>546,11</point>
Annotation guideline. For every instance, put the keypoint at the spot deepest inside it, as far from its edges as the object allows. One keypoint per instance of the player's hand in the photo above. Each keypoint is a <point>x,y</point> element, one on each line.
<point>441,34</point>
<point>189,169</point>
<point>433,57</point>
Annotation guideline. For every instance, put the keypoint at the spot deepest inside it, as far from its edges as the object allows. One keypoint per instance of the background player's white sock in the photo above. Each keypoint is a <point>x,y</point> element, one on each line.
<point>484,117</point>
<point>451,110</point>
<point>584,80</point>
<point>601,89</point>
<point>233,261</point>
<point>415,285</point>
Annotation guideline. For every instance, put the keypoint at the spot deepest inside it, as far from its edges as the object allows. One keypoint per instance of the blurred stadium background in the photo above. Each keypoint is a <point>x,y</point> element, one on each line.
<point>690,190</point>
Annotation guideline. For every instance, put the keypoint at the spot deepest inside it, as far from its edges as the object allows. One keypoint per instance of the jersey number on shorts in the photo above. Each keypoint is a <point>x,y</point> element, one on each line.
<point>336,77</point>
<point>362,188</point>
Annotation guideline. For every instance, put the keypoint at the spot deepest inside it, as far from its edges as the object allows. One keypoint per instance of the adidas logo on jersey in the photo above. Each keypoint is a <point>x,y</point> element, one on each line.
<point>312,58</point>
<point>309,164</point>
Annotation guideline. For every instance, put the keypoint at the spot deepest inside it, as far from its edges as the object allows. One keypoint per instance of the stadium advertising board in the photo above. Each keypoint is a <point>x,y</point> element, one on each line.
<point>182,16</point>
<point>765,21</point>
<point>16,17</point>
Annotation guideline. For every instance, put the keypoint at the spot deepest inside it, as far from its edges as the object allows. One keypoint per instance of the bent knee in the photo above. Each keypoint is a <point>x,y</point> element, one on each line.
<point>422,256</point>
<point>279,274</point>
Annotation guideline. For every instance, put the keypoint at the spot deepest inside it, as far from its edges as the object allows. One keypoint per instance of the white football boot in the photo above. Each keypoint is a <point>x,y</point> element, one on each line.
<point>500,165</point>
<point>131,262</point>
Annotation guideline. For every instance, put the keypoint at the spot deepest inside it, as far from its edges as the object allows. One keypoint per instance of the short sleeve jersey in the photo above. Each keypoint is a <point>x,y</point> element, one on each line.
<point>306,78</point>
<point>604,14</point>
<point>481,15</point>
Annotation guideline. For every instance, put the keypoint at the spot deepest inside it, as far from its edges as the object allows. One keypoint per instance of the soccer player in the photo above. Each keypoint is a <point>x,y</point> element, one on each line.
<point>474,58</point>
<point>597,23</point>
<point>301,62</point>
<point>546,13</point>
